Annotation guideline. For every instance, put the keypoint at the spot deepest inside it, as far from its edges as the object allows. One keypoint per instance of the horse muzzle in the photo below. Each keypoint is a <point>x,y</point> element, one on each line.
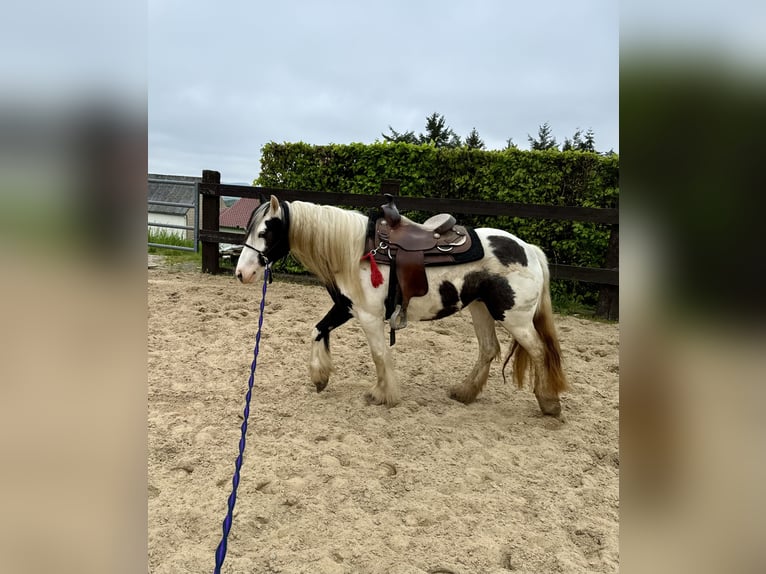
<point>245,276</point>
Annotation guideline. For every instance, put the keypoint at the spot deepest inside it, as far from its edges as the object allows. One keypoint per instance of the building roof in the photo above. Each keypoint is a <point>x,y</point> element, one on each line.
<point>239,213</point>
<point>159,191</point>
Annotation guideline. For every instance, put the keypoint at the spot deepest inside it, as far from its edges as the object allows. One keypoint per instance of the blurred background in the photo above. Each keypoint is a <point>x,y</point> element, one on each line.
<point>73,288</point>
<point>692,117</point>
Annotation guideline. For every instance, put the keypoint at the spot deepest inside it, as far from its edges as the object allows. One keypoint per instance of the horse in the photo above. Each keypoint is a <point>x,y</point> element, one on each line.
<point>508,286</point>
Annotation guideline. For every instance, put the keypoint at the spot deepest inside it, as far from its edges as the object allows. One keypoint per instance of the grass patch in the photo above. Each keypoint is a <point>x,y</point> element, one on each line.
<point>574,297</point>
<point>174,256</point>
<point>168,238</point>
<point>564,305</point>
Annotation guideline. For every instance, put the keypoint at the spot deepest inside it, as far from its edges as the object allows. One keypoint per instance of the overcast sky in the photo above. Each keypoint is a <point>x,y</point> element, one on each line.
<point>226,77</point>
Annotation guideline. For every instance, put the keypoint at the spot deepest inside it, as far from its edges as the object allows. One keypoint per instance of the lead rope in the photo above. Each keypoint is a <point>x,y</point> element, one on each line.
<point>220,552</point>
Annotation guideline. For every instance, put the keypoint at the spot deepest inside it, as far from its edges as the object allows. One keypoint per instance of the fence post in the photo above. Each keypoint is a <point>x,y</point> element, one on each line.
<point>390,186</point>
<point>210,219</point>
<point>197,217</point>
<point>609,295</point>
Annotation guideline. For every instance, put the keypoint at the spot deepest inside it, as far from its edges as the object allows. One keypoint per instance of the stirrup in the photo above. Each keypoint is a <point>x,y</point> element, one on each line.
<point>398,319</point>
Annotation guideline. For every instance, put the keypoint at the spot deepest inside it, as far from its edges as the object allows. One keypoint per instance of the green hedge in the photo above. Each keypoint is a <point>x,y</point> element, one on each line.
<point>548,177</point>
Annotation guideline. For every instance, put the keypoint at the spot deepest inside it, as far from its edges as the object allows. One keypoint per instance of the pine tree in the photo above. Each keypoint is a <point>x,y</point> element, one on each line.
<point>473,141</point>
<point>406,137</point>
<point>575,143</point>
<point>438,133</point>
<point>509,144</point>
<point>544,138</point>
<point>589,143</point>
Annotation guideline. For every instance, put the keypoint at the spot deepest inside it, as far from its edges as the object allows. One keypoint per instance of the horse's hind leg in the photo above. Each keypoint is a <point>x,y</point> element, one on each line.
<point>531,357</point>
<point>489,348</point>
<point>320,364</point>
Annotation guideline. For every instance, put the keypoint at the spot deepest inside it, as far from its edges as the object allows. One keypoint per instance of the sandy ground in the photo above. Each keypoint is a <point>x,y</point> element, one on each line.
<point>330,484</point>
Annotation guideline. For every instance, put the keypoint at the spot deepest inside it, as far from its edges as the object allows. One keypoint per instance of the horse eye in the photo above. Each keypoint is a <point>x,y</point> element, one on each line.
<point>262,234</point>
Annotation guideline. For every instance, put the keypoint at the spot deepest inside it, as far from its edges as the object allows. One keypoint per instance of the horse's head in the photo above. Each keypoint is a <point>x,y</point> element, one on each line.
<point>266,240</point>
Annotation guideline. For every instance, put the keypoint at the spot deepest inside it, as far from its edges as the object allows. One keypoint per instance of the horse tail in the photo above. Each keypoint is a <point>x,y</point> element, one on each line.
<point>546,329</point>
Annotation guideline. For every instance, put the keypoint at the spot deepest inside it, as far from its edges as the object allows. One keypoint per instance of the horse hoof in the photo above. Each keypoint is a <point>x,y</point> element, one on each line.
<point>371,399</point>
<point>549,407</point>
<point>458,394</point>
<point>320,385</point>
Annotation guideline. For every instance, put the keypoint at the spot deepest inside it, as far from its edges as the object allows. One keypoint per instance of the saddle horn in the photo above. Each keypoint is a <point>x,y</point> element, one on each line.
<point>390,211</point>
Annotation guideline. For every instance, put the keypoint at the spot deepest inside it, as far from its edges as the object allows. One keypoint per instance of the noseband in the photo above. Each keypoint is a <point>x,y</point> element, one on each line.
<point>281,246</point>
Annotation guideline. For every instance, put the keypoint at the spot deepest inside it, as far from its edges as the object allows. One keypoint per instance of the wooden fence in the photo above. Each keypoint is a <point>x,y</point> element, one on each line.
<point>211,189</point>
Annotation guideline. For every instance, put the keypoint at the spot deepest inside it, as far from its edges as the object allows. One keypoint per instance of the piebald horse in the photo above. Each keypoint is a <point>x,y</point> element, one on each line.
<point>509,286</point>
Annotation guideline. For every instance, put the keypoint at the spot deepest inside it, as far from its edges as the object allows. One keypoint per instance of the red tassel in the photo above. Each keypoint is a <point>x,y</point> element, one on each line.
<point>376,277</point>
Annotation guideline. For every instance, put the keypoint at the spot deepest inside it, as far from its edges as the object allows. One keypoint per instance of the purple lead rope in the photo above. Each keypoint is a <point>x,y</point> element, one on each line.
<point>220,553</point>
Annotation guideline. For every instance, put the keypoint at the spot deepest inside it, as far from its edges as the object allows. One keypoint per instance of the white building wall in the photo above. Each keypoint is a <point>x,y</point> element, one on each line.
<point>169,219</point>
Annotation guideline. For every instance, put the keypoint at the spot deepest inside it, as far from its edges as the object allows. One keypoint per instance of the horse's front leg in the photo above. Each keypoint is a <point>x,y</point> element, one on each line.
<point>386,389</point>
<point>320,364</point>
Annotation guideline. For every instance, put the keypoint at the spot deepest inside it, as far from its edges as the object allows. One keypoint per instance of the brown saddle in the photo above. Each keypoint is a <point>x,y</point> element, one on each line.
<point>409,247</point>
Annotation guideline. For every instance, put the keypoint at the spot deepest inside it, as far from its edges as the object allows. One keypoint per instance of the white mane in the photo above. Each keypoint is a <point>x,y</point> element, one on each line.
<point>328,241</point>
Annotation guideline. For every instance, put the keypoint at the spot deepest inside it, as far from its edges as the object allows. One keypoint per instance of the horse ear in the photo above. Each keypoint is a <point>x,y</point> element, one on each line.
<point>274,204</point>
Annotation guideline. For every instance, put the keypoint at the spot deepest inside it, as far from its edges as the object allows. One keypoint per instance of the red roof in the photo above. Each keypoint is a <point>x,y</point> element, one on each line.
<point>239,213</point>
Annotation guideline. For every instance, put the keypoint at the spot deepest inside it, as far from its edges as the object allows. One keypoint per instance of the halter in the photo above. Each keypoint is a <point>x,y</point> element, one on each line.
<point>281,246</point>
